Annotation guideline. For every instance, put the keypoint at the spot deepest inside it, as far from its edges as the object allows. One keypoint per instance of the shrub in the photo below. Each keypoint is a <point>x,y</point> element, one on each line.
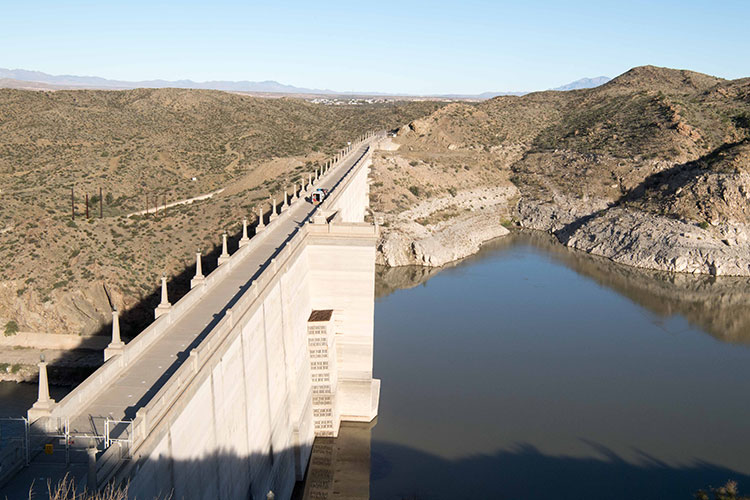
<point>415,190</point>
<point>742,121</point>
<point>703,225</point>
<point>11,328</point>
<point>727,492</point>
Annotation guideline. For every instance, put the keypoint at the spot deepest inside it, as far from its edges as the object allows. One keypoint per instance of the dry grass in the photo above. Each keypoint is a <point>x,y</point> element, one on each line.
<point>66,490</point>
<point>134,144</point>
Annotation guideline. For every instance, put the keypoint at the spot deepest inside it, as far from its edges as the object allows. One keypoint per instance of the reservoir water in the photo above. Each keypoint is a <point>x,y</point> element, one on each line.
<point>533,372</point>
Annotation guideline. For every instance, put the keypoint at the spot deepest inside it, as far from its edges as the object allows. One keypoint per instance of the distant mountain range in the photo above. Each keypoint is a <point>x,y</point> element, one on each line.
<point>36,80</point>
<point>585,83</point>
<point>95,82</point>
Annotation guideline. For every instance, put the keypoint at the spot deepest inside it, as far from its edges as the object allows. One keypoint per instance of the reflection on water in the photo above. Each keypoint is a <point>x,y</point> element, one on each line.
<point>532,371</point>
<point>340,467</point>
<point>719,305</point>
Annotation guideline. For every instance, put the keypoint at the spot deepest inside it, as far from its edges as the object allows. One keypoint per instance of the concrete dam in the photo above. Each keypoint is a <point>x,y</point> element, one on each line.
<point>222,396</point>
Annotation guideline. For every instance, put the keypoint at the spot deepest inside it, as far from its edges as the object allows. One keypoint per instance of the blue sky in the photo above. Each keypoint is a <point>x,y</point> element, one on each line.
<point>408,46</point>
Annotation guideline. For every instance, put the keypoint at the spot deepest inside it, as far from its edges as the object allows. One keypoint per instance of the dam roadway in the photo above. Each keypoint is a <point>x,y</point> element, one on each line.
<point>138,385</point>
<point>150,391</point>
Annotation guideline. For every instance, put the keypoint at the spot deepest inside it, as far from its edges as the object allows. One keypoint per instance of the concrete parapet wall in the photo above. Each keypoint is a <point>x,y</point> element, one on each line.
<point>235,419</point>
<point>351,198</point>
<point>248,384</point>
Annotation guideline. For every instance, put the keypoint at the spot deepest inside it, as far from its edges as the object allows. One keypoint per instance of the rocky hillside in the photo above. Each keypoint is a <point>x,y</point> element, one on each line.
<point>62,276</point>
<point>650,169</point>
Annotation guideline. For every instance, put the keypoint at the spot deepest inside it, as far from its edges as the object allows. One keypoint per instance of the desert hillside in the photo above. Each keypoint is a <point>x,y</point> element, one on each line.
<point>143,146</point>
<point>649,169</point>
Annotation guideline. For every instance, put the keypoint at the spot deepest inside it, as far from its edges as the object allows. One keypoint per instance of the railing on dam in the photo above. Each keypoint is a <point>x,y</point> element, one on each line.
<point>205,354</point>
<point>98,381</point>
<point>148,417</point>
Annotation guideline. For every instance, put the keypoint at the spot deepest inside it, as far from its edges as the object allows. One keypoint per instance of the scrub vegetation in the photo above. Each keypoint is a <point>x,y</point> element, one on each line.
<point>144,148</point>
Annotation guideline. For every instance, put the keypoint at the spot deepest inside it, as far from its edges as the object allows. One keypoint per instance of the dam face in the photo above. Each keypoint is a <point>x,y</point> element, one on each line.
<point>297,363</point>
<point>222,396</point>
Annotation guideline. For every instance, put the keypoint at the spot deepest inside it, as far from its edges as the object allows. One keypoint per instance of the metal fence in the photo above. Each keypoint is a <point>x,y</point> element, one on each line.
<point>22,442</point>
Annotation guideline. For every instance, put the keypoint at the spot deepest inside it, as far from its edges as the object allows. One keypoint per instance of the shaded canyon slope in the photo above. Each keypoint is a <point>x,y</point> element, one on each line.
<point>650,169</point>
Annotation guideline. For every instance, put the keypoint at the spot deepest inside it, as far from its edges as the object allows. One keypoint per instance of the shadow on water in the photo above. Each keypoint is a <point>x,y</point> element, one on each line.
<point>718,305</point>
<point>525,472</point>
<point>17,398</point>
<point>355,468</point>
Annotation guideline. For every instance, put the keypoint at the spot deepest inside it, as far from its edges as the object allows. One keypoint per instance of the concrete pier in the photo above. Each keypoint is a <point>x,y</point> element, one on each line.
<point>198,279</point>
<point>164,306</point>
<point>261,225</point>
<point>274,215</point>
<point>44,404</point>
<point>244,240</point>
<point>116,346</point>
<point>224,257</point>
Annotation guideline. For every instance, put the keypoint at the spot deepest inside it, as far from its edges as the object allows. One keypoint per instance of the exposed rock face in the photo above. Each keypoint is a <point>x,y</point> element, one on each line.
<point>85,311</point>
<point>648,241</point>
<point>411,245</point>
<point>554,215</point>
<point>642,239</point>
<point>449,228</point>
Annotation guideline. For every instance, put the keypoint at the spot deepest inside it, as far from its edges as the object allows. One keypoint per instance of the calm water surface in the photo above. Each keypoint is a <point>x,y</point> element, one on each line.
<point>534,372</point>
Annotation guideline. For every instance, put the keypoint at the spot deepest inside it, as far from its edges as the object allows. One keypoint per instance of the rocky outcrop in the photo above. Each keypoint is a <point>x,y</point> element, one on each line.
<point>82,312</point>
<point>623,235</point>
<point>639,238</point>
<point>442,230</point>
<point>554,215</point>
<point>653,242</point>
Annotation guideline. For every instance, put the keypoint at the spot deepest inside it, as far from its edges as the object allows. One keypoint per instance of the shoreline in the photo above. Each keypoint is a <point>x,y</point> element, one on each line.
<point>635,239</point>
